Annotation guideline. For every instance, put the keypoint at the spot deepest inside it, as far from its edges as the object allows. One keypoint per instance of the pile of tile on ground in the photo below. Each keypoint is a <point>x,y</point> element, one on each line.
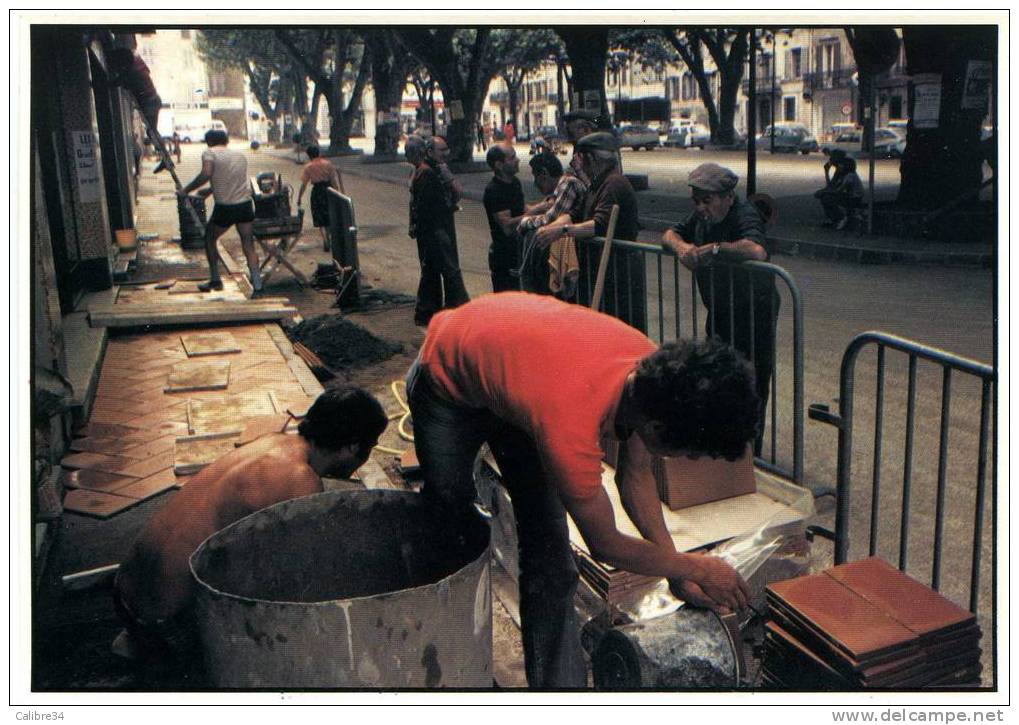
<point>867,625</point>
<point>170,402</point>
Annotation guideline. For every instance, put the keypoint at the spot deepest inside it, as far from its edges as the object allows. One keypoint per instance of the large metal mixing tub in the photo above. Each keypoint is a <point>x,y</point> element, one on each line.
<point>346,589</point>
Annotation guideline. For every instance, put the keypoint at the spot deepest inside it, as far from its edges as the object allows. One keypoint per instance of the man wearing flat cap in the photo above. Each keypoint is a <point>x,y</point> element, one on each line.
<point>624,280</point>
<point>722,230</point>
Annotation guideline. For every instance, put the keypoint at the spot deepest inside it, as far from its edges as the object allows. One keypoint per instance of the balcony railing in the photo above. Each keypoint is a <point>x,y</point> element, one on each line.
<point>822,80</point>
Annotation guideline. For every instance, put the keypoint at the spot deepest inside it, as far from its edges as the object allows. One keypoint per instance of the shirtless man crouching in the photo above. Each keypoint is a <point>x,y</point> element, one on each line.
<point>154,589</point>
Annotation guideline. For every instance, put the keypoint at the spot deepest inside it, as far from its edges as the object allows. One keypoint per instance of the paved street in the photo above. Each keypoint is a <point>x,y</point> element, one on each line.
<point>944,307</point>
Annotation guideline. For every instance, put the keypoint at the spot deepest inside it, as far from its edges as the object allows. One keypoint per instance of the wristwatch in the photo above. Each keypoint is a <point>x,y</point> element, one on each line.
<point>566,229</point>
<point>715,249</point>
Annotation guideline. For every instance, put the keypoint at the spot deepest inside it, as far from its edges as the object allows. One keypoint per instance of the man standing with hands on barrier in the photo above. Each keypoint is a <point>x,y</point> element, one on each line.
<point>724,228</point>
<point>542,381</point>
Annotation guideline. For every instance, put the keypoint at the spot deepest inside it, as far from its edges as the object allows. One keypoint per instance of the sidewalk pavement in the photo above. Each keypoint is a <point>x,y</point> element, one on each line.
<point>667,202</point>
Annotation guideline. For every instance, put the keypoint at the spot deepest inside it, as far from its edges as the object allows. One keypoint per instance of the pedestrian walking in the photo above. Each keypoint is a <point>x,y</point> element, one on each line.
<point>509,133</point>
<point>322,174</point>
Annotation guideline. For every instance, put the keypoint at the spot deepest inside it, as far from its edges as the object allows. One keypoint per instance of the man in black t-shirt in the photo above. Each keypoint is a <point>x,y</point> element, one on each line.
<point>504,206</point>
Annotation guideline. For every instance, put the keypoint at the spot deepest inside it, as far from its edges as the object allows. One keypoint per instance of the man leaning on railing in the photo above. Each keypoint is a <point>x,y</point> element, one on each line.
<point>726,229</point>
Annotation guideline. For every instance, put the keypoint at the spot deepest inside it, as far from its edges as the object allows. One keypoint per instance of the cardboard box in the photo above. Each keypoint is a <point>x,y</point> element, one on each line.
<point>685,482</point>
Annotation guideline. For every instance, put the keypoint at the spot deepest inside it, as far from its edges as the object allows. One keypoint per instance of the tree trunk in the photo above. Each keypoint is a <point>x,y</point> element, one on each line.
<point>560,100</point>
<point>587,49</point>
<point>514,100</point>
<point>728,99</point>
<point>941,163</point>
<point>389,76</point>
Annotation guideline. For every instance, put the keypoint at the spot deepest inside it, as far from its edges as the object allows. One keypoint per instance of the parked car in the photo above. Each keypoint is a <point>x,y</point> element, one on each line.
<point>551,137</point>
<point>688,135</point>
<point>638,137</point>
<point>789,138</point>
<point>888,144</point>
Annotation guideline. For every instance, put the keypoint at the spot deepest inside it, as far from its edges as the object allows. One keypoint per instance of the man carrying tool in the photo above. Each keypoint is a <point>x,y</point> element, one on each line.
<point>724,228</point>
<point>154,589</point>
<point>542,381</point>
<point>226,171</point>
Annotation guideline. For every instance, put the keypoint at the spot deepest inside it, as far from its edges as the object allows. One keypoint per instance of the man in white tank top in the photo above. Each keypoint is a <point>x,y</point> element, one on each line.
<point>226,171</point>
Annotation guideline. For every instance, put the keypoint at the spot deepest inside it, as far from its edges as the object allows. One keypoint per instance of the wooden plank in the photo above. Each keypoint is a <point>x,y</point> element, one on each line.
<point>150,486</point>
<point>191,317</point>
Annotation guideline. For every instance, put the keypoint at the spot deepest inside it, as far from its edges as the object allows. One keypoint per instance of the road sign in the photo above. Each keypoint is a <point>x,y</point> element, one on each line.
<point>847,110</point>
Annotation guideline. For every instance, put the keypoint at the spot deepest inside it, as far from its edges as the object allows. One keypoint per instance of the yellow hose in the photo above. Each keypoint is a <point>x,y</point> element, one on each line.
<point>403,415</point>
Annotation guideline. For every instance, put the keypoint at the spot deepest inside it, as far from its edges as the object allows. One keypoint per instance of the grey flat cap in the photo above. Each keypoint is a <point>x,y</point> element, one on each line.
<point>602,140</point>
<point>713,178</point>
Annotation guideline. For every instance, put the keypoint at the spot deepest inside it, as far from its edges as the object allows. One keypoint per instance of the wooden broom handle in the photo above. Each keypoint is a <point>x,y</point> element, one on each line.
<point>603,263</point>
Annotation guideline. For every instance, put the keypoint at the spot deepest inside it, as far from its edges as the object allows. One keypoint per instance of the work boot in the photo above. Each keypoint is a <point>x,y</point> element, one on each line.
<point>212,284</point>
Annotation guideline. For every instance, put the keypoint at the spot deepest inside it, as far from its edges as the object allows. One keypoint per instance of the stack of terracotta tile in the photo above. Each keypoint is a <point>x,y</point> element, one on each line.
<point>610,583</point>
<point>867,625</point>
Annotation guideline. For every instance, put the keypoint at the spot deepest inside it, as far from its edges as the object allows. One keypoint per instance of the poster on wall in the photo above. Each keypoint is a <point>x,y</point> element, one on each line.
<point>926,101</point>
<point>456,110</point>
<point>86,166</point>
<point>977,91</point>
<point>592,100</point>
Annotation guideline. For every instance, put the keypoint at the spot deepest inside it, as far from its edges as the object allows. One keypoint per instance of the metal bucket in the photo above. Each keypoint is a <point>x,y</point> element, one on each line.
<point>368,589</point>
<point>688,649</point>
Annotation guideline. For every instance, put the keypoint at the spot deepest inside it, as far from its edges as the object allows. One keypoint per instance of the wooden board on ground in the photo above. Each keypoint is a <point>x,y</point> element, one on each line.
<point>204,375</point>
<point>209,343</point>
<point>229,412</point>
<point>190,314</point>
<point>409,462</point>
<point>193,453</point>
<point>96,503</point>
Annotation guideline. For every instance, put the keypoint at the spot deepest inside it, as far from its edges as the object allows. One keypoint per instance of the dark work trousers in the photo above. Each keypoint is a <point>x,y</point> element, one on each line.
<point>442,283</point>
<point>447,438</point>
<point>502,258</point>
<point>738,334</point>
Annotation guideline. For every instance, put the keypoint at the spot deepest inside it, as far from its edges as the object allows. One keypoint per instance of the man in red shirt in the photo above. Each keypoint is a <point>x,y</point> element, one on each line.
<point>542,381</point>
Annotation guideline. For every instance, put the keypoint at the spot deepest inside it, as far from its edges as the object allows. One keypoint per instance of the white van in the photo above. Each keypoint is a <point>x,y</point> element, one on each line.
<point>189,132</point>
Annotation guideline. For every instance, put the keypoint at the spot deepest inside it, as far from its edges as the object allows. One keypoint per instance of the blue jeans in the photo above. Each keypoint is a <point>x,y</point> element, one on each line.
<point>447,437</point>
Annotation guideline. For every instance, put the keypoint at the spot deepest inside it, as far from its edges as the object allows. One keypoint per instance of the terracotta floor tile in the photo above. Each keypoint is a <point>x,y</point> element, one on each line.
<point>194,453</point>
<point>176,414</point>
<point>205,375</point>
<point>261,425</point>
<point>96,503</point>
<point>167,427</point>
<point>96,462</point>
<point>143,469</point>
<point>181,481</point>
<point>151,486</point>
<point>209,343</point>
<point>103,430</point>
<point>108,446</point>
<point>111,417</point>
<point>228,412</point>
<point>148,449</point>
<point>151,373</point>
<point>95,480</point>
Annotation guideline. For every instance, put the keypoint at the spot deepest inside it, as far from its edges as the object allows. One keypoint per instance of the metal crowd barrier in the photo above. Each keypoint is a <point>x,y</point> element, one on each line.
<point>843,421</point>
<point>645,287</point>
